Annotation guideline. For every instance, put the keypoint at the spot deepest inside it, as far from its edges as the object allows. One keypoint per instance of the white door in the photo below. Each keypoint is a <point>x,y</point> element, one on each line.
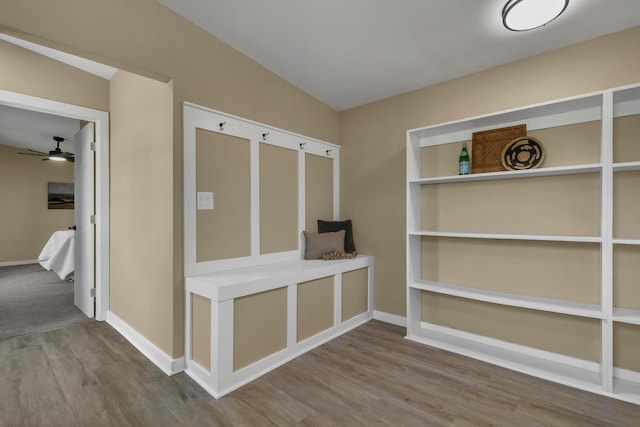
<point>84,279</point>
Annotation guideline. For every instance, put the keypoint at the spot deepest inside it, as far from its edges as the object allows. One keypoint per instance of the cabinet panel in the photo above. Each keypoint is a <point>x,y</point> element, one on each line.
<point>567,205</point>
<point>355,293</point>
<point>201,335</point>
<point>626,204</point>
<point>315,307</point>
<point>557,333</point>
<point>222,167</point>
<point>626,346</point>
<point>626,271</point>
<point>566,271</point>
<point>259,326</point>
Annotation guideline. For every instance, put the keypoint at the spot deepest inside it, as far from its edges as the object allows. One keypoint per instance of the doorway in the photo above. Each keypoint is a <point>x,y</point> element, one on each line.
<point>101,213</point>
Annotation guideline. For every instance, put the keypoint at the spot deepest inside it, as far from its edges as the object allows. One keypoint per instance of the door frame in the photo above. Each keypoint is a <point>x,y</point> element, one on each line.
<point>101,194</point>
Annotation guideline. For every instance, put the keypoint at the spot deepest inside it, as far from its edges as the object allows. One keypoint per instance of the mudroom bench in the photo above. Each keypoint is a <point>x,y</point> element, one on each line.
<point>245,322</point>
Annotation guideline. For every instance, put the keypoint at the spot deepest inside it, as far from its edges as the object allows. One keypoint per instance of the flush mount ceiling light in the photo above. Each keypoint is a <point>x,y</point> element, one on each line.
<point>523,15</point>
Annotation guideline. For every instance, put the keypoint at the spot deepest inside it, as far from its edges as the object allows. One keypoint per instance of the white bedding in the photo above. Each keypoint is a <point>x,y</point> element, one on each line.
<point>57,255</point>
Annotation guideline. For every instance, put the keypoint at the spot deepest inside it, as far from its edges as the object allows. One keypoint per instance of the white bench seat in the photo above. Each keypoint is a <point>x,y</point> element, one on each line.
<point>221,288</point>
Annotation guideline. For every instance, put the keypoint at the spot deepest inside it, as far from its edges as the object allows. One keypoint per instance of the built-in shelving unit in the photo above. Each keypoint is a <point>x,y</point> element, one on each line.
<point>600,362</point>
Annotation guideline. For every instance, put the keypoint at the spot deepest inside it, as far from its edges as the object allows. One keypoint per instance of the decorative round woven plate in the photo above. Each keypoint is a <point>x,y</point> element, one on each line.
<point>525,152</point>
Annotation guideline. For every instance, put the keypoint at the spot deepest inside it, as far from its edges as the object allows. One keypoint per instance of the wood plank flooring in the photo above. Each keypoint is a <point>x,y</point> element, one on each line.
<point>88,375</point>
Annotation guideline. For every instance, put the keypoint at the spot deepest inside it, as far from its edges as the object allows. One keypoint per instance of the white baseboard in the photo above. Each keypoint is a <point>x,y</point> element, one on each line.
<point>159,358</point>
<point>12,263</point>
<point>394,319</point>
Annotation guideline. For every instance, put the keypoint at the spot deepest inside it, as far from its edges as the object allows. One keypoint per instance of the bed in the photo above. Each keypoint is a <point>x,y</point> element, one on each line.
<point>58,254</point>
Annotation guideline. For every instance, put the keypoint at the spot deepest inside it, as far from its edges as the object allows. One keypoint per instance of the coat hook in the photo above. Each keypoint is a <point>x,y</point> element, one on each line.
<point>222,125</point>
<point>302,144</point>
<point>264,136</point>
<point>328,152</point>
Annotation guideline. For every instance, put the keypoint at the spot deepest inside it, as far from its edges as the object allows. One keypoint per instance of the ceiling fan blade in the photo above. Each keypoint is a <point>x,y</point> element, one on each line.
<point>36,151</point>
<point>33,154</point>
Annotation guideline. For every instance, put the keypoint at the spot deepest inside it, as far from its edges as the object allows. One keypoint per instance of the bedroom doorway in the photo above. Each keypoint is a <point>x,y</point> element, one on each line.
<point>95,283</point>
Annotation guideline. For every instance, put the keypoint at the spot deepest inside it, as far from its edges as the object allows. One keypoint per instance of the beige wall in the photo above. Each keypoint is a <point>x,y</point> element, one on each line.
<point>204,71</point>
<point>373,137</point>
<point>28,73</point>
<point>141,206</point>
<point>25,221</point>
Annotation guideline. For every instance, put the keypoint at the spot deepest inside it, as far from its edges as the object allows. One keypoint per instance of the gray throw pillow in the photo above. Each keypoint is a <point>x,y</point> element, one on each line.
<point>318,244</point>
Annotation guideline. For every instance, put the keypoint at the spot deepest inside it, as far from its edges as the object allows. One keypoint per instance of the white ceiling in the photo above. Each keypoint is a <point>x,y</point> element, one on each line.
<point>348,53</point>
<point>34,130</point>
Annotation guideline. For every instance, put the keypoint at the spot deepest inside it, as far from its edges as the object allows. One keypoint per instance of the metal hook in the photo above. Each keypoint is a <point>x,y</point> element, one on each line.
<point>302,144</point>
<point>264,136</point>
<point>329,152</point>
<point>222,125</point>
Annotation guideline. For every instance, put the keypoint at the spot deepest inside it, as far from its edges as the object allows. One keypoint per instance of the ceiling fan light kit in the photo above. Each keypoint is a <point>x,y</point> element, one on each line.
<point>524,15</point>
<point>56,154</point>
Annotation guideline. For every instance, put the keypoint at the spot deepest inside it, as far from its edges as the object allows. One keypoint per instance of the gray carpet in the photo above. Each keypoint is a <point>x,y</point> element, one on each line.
<point>33,299</point>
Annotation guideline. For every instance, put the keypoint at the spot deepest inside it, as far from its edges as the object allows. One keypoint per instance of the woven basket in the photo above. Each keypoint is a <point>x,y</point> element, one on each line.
<point>487,147</point>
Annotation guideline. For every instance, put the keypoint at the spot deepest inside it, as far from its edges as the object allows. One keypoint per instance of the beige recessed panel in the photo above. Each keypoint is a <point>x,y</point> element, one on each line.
<point>355,293</point>
<point>626,271</point>
<point>564,145</point>
<point>259,326</point>
<point>442,160</point>
<point>566,205</point>
<point>626,132</point>
<point>626,204</point>
<point>315,307</point>
<point>568,335</point>
<point>278,199</point>
<point>222,164</point>
<point>201,333</point>
<point>318,190</point>
<point>567,271</point>
<point>626,346</point>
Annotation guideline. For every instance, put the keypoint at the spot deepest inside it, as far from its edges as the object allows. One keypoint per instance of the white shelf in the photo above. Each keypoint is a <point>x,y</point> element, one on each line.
<point>515,300</point>
<point>599,377</point>
<point>626,241</point>
<point>626,315</point>
<point>626,167</point>
<point>528,173</point>
<point>574,375</point>
<point>498,236</point>
<point>561,112</point>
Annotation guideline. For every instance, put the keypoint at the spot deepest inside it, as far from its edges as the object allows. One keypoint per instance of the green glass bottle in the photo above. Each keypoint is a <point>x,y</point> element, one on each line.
<point>463,161</point>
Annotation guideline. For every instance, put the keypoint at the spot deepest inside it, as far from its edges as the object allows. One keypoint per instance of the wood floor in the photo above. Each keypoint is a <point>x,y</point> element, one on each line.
<point>88,375</point>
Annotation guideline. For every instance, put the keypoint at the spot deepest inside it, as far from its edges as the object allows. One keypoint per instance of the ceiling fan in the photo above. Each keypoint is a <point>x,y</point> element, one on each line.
<point>57,154</point>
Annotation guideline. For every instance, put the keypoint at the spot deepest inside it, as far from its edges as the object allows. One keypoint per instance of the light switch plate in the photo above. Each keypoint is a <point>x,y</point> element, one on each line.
<point>205,201</point>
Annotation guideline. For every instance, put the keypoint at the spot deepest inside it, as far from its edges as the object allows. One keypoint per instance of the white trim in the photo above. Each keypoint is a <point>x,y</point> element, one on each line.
<point>393,319</point>
<point>626,374</point>
<point>197,117</point>
<point>101,121</point>
<point>11,263</point>
<point>254,197</point>
<point>93,67</point>
<point>158,357</point>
